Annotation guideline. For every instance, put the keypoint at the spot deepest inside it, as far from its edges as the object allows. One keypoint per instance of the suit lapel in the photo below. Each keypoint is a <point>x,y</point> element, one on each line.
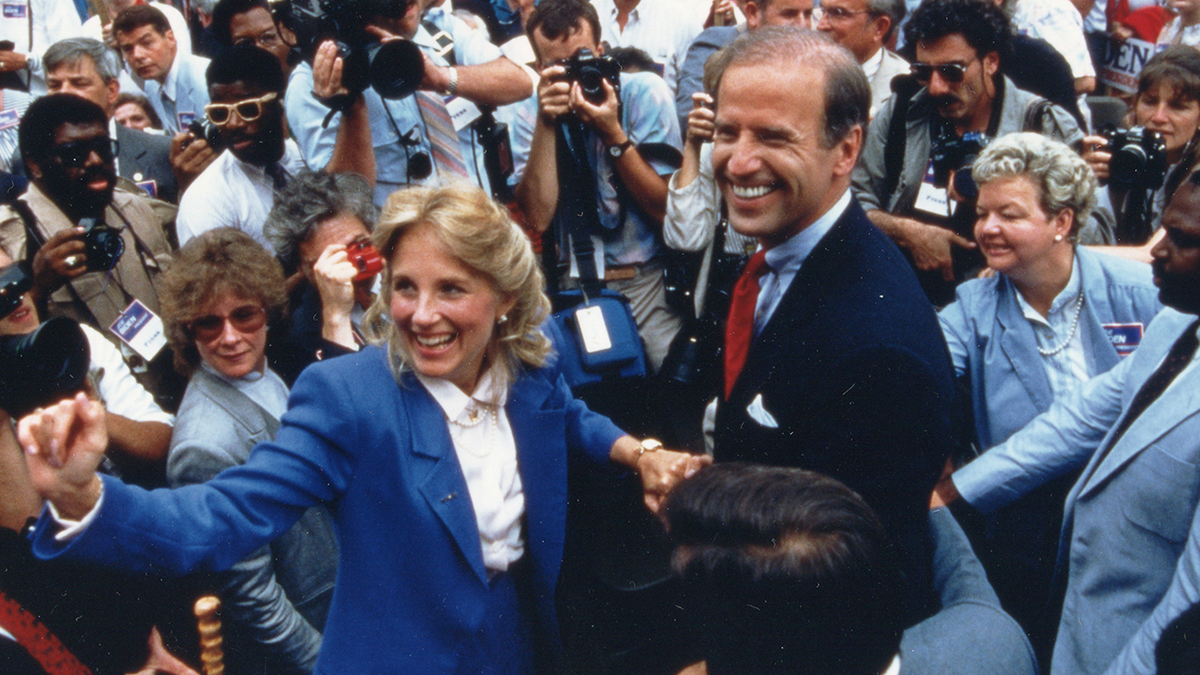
<point>1019,345</point>
<point>1102,356</point>
<point>438,474</point>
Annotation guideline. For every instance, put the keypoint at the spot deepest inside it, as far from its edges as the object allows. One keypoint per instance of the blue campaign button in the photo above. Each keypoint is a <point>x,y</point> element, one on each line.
<point>1125,337</point>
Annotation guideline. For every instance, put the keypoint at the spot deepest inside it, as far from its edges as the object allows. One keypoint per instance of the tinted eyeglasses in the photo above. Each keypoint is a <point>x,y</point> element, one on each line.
<point>249,109</point>
<point>950,72</point>
<point>840,14</point>
<point>75,154</point>
<point>244,319</point>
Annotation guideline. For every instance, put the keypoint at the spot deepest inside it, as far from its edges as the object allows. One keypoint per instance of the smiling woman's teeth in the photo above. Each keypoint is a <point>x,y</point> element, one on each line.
<point>434,341</point>
<point>751,192</point>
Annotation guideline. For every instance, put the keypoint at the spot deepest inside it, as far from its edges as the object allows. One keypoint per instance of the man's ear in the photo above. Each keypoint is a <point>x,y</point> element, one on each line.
<point>35,171</point>
<point>991,63</point>
<point>847,151</point>
<point>752,14</point>
<point>114,90</point>
<point>880,26</point>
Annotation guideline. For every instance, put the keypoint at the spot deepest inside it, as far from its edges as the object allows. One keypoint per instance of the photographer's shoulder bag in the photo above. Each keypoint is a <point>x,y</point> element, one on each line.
<point>592,328</point>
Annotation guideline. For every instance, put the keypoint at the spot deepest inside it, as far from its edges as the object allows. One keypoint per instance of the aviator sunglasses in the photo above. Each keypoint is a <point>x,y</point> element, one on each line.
<point>950,72</point>
<point>249,109</point>
<point>244,319</point>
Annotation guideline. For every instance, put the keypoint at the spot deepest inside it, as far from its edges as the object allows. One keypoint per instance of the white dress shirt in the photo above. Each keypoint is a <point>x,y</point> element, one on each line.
<point>487,454</point>
<point>664,29</point>
<point>232,193</point>
<point>1067,368</point>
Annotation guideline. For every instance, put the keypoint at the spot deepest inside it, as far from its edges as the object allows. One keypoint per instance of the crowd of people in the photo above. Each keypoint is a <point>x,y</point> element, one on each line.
<point>649,337</point>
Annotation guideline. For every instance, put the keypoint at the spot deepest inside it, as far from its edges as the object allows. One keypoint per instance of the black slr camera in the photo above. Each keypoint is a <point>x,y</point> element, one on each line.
<point>202,128</point>
<point>590,71</point>
<point>951,153</point>
<point>102,244</point>
<point>39,368</point>
<point>1139,158</point>
<point>394,68</point>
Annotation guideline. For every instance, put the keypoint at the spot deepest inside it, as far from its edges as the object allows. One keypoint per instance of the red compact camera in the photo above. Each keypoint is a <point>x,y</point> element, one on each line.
<point>364,256</point>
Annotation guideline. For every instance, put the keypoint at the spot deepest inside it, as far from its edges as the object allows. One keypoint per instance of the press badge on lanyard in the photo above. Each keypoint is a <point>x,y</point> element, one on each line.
<point>141,329</point>
<point>9,119</point>
<point>1125,337</point>
<point>932,199</point>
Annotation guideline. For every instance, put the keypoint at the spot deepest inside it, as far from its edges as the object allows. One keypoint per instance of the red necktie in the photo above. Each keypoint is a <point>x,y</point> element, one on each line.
<point>41,644</point>
<point>739,329</point>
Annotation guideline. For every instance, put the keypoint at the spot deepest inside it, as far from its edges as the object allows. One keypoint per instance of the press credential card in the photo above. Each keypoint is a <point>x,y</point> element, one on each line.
<point>593,330</point>
<point>141,329</point>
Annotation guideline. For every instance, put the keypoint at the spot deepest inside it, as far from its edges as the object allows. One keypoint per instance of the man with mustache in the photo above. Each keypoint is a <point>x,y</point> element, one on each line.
<point>246,86</point>
<point>69,156</point>
<point>1129,551</point>
<point>962,94</point>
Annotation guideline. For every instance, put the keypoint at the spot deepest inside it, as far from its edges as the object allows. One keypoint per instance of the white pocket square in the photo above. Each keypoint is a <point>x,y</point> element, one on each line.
<point>759,414</point>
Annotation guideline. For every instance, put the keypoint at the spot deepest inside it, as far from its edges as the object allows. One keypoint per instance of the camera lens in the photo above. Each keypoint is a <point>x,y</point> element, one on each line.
<point>394,68</point>
<point>103,246</point>
<point>591,82</point>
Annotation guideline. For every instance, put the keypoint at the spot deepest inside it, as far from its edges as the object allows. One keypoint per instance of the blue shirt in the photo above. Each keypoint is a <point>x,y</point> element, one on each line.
<point>392,119</point>
<point>785,260</point>
<point>647,116</point>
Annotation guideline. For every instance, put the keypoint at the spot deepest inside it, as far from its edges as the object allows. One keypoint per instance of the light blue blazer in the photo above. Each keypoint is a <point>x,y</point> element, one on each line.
<point>191,90</point>
<point>1130,546</point>
<point>411,588</point>
<point>992,342</point>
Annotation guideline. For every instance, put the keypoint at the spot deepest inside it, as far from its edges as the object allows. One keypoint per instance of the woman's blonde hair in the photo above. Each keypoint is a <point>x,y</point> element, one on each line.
<point>1062,178</point>
<point>479,233</point>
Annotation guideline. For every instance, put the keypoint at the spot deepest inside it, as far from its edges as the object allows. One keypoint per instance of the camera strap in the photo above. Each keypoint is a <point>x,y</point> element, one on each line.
<point>577,209</point>
<point>445,43</point>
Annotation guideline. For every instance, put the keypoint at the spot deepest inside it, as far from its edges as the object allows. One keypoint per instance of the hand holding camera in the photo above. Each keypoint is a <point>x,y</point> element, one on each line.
<point>62,258</point>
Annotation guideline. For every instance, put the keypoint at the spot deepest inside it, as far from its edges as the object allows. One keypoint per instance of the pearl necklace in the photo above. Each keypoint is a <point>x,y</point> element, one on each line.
<point>475,417</point>
<point>1071,333</point>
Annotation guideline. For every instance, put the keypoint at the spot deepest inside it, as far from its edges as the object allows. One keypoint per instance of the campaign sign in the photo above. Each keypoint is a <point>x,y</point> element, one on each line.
<point>1125,337</point>
<point>1123,62</point>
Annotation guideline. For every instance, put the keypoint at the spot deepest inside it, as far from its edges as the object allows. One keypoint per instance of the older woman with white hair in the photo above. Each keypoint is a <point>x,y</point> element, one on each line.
<point>1053,316</point>
<point>442,456</point>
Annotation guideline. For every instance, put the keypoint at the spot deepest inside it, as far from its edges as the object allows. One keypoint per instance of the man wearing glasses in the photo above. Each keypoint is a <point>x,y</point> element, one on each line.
<point>864,27</point>
<point>96,253</point>
<point>250,22</point>
<point>963,100</point>
<point>246,116</point>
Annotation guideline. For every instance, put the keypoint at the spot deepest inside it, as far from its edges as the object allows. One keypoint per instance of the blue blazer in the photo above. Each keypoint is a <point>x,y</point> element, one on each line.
<point>411,585</point>
<point>992,342</point>
<point>1130,545</point>
<point>191,90</point>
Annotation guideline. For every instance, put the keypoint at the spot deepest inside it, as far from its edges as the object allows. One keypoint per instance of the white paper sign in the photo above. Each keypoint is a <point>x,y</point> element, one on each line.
<point>1123,62</point>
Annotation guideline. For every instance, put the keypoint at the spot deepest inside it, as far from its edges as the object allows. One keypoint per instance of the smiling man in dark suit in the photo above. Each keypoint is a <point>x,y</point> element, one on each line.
<point>834,361</point>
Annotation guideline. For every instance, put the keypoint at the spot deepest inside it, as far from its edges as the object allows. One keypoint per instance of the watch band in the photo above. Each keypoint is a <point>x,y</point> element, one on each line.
<point>615,151</point>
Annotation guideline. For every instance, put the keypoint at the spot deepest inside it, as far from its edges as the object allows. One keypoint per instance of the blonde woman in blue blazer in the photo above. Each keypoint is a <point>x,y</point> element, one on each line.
<point>1052,316</point>
<point>441,455</point>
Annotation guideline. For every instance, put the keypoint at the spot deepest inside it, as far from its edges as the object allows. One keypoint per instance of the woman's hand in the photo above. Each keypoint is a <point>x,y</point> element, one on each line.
<point>662,470</point>
<point>1096,154</point>
<point>63,446</point>
<point>334,275</point>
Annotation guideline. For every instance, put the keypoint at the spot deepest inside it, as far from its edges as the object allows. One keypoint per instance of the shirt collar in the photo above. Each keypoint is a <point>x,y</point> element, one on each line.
<point>1064,300</point>
<point>871,66</point>
<point>787,257</point>
<point>168,85</point>
<point>454,402</point>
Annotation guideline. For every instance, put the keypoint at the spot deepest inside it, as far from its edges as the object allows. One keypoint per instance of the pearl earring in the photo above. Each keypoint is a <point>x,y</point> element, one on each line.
<point>502,320</point>
<point>1058,237</point>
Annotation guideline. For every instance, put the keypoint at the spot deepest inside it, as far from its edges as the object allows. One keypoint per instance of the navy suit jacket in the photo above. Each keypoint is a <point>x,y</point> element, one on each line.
<point>853,367</point>
<point>142,157</point>
<point>411,586</point>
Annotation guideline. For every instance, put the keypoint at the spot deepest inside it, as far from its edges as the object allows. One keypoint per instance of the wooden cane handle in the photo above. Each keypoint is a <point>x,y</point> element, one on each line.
<point>212,655</point>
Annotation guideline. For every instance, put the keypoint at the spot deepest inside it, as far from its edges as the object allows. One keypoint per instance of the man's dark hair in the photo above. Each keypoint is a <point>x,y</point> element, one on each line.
<point>248,64</point>
<point>981,23</point>
<point>46,115</point>
<point>895,10</point>
<point>787,571</point>
<point>558,18</point>
<point>1178,650</point>
<point>137,16</point>
<point>847,92</point>
<point>224,12</point>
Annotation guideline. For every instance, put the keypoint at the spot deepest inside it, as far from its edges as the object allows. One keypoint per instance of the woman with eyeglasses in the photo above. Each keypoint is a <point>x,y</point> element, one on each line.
<point>1167,103</point>
<point>218,298</point>
<point>1054,316</point>
<point>441,451</point>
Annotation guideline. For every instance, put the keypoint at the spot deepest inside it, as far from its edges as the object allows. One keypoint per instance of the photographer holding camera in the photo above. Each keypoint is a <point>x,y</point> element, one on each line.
<point>630,139</point>
<point>1139,169</point>
<point>392,48</point>
<point>959,100</point>
<point>96,252</point>
<point>246,120</point>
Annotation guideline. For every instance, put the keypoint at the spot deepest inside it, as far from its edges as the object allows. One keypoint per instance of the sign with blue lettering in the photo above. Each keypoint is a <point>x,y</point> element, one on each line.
<point>9,119</point>
<point>14,11</point>
<point>1125,337</point>
<point>1123,62</point>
